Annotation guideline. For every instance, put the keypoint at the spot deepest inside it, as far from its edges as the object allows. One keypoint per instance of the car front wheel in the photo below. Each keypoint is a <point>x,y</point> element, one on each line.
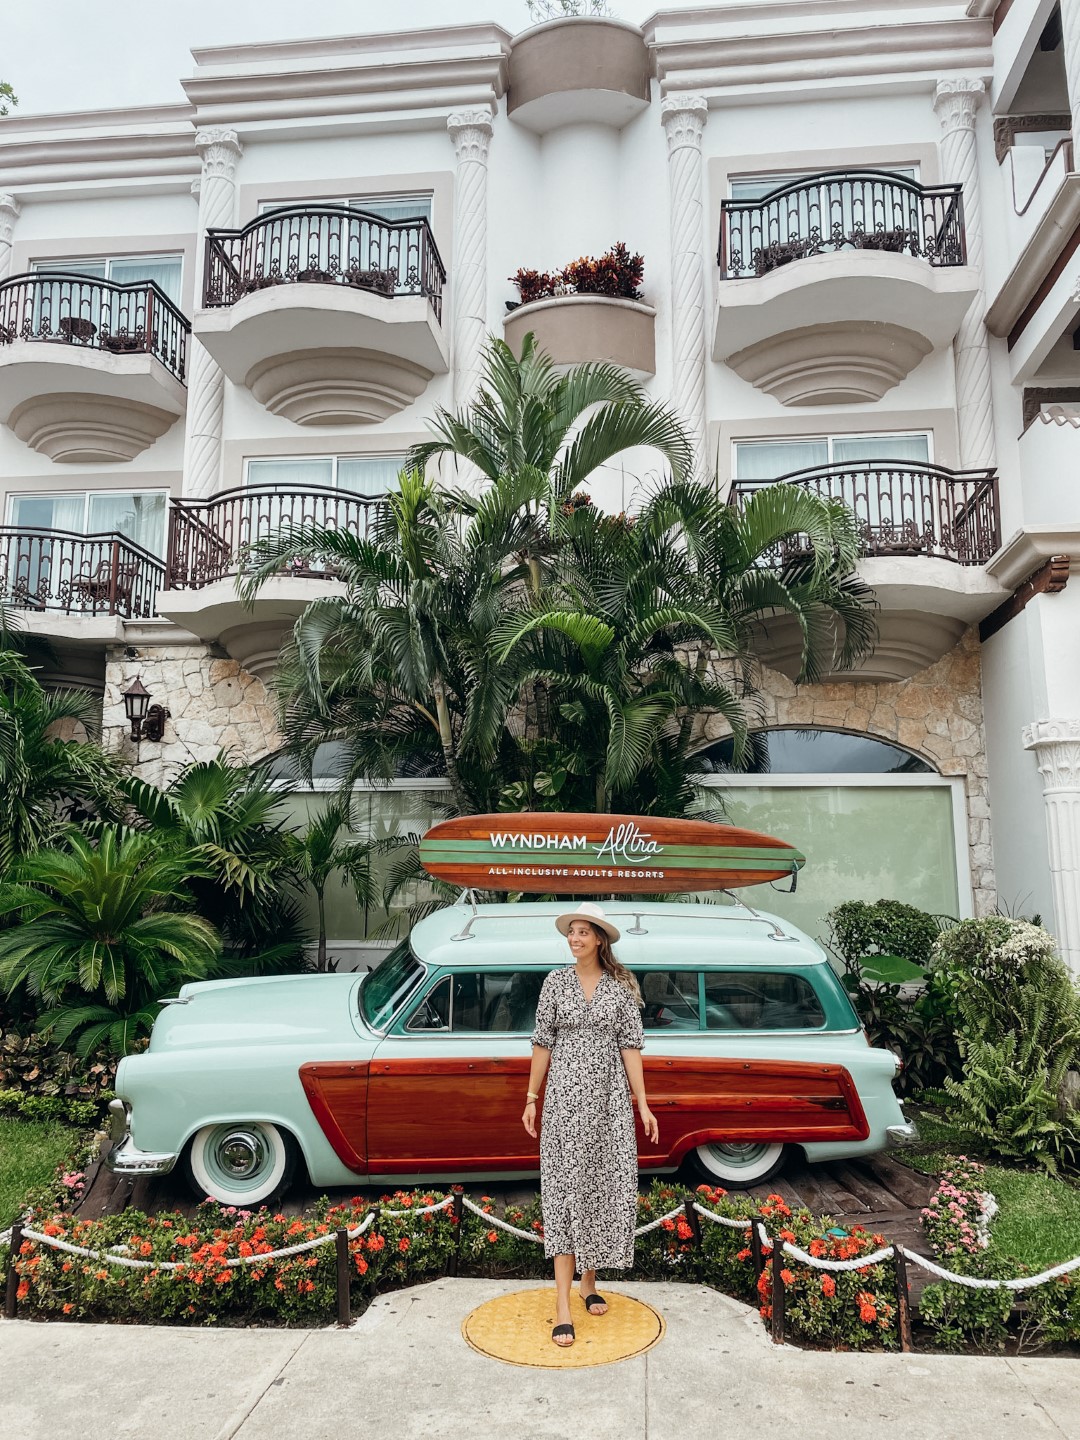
<point>240,1164</point>
<point>738,1165</point>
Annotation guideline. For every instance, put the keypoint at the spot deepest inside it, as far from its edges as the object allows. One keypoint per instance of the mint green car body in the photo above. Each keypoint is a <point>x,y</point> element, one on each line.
<point>244,1079</point>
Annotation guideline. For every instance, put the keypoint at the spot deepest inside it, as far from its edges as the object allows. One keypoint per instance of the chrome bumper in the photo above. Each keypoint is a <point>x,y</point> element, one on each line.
<point>906,1134</point>
<point>124,1159</point>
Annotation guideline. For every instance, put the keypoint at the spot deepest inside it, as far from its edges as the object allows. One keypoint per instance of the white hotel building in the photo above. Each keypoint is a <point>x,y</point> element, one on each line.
<point>860,222</point>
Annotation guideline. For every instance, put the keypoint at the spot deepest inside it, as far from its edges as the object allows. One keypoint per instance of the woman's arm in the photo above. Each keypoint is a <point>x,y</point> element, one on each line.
<point>541,1058</point>
<point>635,1074</point>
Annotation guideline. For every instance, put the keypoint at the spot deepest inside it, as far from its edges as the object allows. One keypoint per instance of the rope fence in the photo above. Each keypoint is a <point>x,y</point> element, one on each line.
<point>457,1202</point>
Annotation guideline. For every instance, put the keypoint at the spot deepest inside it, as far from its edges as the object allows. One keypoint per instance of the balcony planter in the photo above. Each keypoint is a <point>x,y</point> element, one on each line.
<point>383,282</point>
<point>574,329</point>
<point>582,68</point>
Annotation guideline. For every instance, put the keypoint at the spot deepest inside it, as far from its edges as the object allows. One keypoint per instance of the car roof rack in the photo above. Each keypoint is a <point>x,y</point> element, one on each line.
<point>468,897</point>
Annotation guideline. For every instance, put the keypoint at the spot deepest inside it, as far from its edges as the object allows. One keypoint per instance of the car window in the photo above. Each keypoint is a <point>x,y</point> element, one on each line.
<point>671,999</point>
<point>433,1011</point>
<point>749,1000</point>
<point>386,988</point>
<point>496,1002</point>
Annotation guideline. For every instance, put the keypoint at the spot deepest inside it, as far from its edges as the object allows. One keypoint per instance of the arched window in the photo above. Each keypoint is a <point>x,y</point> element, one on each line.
<point>818,752</point>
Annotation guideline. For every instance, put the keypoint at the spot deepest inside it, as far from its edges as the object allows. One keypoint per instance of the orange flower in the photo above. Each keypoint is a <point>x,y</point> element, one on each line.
<point>361,1265</point>
<point>492,1236</point>
<point>146,1248</point>
<point>817,1248</point>
<point>223,1277</point>
<point>68,1307</point>
<point>788,1235</point>
<point>403,1244</point>
<point>245,1249</point>
<point>668,1224</point>
<point>828,1286</point>
<point>867,1313</point>
<point>787,1276</point>
<point>743,1254</point>
<point>23,1290</point>
<point>376,1242</point>
<point>101,1274</point>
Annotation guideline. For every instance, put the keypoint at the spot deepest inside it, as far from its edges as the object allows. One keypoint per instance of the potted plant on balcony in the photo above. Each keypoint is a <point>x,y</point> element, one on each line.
<point>383,282</point>
<point>123,343</point>
<point>897,240</point>
<point>615,273</point>
<point>781,252</point>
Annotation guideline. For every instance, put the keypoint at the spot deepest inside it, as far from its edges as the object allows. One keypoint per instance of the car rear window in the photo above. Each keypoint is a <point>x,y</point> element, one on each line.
<point>386,988</point>
<point>752,1000</point>
<point>671,999</point>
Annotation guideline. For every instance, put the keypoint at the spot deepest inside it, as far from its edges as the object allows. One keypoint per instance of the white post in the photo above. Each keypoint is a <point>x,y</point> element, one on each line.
<point>683,118</point>
<point>1056,744</point>
<point>956,103</point>
<point>470,130</point>
<point>220,151</point>
<point>9,213</point>
<point>1070,45</point>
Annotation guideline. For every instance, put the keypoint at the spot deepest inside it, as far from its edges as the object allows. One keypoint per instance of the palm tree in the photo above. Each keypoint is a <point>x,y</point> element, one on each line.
<point>100,937</point>
<point>319,853</point>
<point>41,775</point>
<point>229,820</point>
<point>651,621</point>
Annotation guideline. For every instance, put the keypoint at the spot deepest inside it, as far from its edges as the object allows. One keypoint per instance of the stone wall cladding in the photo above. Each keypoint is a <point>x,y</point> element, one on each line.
<point>937,713</point>
<point>214,704</point>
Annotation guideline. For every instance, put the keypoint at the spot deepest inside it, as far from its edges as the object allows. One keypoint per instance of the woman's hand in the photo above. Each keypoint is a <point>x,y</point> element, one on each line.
<point>528,1119</point>
<point>648,1124</point>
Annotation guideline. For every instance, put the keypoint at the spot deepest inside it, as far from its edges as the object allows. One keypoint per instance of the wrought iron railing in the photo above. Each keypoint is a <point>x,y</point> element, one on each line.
<point>328,245</point>
<point>137,318</point>
<point>211,539</point>
<point>905,509</point>
<point>838,210</point>
<point>55,570</point>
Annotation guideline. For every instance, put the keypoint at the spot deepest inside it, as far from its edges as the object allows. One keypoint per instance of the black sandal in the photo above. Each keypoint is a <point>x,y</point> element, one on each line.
<point>591,1301</point>
<point>563,1330</point>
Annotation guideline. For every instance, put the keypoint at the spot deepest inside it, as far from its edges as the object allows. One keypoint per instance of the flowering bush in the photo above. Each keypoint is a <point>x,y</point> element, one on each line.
<point>616,272</point>
<point>957,1216</point>
<point>958,1316</point>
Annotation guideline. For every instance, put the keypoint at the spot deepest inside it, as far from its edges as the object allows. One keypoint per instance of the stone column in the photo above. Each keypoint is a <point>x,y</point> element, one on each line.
<point>470,130</point>
<point>1056,744</point>
<point>9,213</point>
<point>1070,46</point>
<point>956,103</point>
<point>683,118</point>
<point>220,151</point>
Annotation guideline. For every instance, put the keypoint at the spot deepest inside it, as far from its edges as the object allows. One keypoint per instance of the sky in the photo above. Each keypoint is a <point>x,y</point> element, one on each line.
<point>61,55</point>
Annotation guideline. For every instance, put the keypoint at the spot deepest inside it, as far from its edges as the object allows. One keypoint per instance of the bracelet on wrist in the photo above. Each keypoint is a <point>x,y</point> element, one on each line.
<point>529,1096</point>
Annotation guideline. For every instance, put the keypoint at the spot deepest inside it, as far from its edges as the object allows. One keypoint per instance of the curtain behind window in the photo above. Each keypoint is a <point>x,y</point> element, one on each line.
<point>140,517</point>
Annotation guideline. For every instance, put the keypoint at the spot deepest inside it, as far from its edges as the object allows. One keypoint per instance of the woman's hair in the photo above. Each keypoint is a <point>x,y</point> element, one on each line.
<point>608,962</point>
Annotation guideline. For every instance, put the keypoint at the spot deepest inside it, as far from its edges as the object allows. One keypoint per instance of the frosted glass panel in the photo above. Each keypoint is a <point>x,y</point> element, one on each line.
<point>140,517</point>
<point>369,474</point>
<point>860,842</point>
<point>769,459</point>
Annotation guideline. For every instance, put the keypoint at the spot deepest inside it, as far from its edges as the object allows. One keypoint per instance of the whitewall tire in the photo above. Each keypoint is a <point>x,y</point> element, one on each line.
<point>242,1163</point>
<point>737,1166</point>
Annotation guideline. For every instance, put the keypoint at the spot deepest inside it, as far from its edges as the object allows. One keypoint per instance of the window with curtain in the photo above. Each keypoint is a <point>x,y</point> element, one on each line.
<point>387,207</point>
<point>358,474</point>
<point>867,490</point>
<point>165,270</point>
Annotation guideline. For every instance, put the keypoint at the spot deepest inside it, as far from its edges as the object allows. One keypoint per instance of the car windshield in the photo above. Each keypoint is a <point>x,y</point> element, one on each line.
<point>385,989</point>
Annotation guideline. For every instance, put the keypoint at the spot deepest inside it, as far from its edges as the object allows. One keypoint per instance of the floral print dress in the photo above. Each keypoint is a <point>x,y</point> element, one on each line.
<point>588,1148</point>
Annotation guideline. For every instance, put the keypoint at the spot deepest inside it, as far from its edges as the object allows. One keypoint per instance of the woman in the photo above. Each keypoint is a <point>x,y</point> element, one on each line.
<point>588,1028</point>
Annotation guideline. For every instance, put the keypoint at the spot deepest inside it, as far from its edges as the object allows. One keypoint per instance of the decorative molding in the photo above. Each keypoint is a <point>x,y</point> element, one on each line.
<point>470,131</point>
<point>336,387</point>
<point>88,429</point>
<point>684,118</point>
<point>1036,398</point>
<point>1007,127</point>
<point>9,213</point>
<point>846,362</point>
<point>1051,579</point>
<point>956,103</point>
<point>220,151</point>
<point>1056,744</point>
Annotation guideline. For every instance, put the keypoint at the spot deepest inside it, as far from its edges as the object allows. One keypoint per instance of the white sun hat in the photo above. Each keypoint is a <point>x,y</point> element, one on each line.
<point>590,912</point>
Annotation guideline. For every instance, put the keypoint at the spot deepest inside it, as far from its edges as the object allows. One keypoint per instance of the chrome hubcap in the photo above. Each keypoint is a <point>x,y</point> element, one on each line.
<point>241,1154</point>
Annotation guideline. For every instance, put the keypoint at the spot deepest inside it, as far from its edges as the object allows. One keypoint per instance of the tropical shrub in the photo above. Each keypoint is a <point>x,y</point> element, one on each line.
<point>957,1216</point>
<point>98,939</point>
<point>33,1066</point>
<point>885,948</point>
<point>616,272</point>
<point>959,1316</point>
<point>1019,1028</point>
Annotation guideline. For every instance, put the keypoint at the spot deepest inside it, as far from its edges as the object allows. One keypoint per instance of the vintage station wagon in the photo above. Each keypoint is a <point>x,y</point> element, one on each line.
<point>417,1070</point>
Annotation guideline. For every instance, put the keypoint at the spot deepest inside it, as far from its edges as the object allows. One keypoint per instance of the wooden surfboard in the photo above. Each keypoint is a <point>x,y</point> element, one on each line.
<point>581,854</point>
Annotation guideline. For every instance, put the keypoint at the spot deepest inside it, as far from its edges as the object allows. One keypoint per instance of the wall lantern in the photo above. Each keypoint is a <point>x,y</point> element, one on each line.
<point>147,721</point>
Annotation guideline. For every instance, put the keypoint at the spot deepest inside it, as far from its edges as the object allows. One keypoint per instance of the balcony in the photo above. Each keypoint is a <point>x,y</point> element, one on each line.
<point>579,329</point>
<point>77,587</point>
<point>90,371</point>
<point>209,547</point>
<point>927,532</point>
<point>328,315</point>
<point>835,286</point>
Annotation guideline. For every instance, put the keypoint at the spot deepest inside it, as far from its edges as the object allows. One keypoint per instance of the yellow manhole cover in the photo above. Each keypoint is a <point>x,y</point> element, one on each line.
<point>517,1328</point>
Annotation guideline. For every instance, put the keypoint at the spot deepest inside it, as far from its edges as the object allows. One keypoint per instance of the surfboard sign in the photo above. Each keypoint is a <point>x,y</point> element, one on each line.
<point>576,854</point>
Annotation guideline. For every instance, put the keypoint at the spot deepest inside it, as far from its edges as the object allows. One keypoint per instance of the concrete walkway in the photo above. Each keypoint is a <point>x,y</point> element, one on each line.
<point>404,1372</point>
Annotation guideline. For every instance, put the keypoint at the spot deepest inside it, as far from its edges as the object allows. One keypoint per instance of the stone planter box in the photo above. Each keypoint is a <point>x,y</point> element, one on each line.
<point>578,69</point>
<point>574,329</point>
